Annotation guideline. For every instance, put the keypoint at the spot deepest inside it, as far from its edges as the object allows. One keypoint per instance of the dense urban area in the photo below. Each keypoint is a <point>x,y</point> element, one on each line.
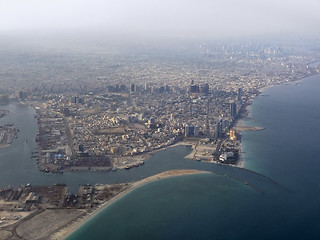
<point>104,109</point>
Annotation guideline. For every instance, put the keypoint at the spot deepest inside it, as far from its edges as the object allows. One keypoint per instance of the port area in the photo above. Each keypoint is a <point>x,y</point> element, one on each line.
<point>26,211</point>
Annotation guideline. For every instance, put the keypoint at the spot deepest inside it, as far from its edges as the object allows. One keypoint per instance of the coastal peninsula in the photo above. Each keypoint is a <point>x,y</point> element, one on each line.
<point>25,212</point>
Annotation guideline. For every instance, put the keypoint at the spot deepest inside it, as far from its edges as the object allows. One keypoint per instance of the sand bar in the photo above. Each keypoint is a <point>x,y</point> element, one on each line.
<point>248,128</point>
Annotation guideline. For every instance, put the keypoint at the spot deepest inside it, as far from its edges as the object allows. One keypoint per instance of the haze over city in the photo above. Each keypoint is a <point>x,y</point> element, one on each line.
<point>162,18</point>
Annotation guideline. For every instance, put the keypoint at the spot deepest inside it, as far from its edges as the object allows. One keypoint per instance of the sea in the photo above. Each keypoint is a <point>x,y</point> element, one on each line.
<point>212,206</point>
<point>277,197</point>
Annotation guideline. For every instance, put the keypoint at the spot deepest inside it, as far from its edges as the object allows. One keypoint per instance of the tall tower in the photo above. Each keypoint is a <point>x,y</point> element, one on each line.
<point>132,88</point>
<point>233,109</point>
<point>196,130</point>
<point>240,95</point>
<point>186,130</point>
<point>218,130</point>
<point>204,89</point>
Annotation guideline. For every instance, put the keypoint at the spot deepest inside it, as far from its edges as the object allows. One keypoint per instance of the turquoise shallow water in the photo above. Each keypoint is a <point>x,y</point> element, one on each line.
<point>217,207</point>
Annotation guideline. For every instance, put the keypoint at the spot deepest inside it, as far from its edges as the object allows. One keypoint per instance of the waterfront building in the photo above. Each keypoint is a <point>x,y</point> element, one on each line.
<point>196,130</point>
<point>226,156</point>
<point>225,124</point>
<point>191,130</point>
<point>186,130</point>
<point>232,134</point>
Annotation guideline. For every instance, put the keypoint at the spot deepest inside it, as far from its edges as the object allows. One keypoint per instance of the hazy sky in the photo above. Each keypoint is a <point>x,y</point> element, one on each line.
<point>204,18</point>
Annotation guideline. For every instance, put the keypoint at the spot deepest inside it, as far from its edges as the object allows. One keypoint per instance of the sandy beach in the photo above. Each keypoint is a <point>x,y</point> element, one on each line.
<point>67,231</point>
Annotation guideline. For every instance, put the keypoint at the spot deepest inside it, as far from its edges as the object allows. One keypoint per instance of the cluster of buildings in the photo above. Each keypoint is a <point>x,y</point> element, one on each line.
<point>110,130</point>
<point>110,113</point>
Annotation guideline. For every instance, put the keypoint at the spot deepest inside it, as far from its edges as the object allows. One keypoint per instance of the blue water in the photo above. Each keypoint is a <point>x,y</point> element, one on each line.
<point>217,207</point>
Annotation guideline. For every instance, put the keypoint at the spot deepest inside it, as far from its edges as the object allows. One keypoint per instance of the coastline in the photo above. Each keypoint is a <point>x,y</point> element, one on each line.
<point>76,224</point>
<point>127,162</point>
<point>164,148</point>
<point>241,128</point>
<point>239,124</point>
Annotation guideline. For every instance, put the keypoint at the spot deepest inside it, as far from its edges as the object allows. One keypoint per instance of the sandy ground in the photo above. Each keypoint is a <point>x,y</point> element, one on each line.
<point>4,145</point>
<point>240,163</point>
<point>4,234</point>
<point>47,222</point>
<point>7,217</point>
<point>202,152</point>
<point>64,232</point>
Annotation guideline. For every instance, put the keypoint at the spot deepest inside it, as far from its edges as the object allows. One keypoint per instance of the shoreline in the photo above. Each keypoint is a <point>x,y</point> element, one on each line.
<point>78,223</point>
<point>240,127</point>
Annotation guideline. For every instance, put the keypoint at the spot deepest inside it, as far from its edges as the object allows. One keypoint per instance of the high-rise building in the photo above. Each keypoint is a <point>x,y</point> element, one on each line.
<point>132,88</point>
<point>196,130</point>
<point>193,89</point>
<point>186,130</point>
<point>204,89</point>
<point>190,130</point>
<point>240,95</point>
<point>218,130</point>
<point>233,109</point>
